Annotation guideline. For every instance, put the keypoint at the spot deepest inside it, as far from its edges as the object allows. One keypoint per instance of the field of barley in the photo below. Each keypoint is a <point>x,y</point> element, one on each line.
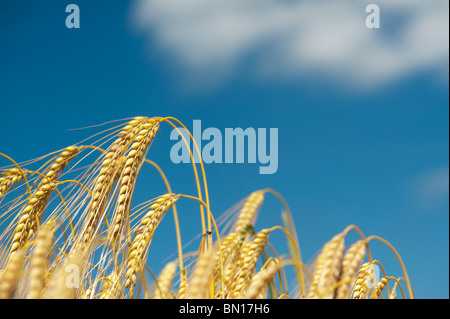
<point>70,229</point>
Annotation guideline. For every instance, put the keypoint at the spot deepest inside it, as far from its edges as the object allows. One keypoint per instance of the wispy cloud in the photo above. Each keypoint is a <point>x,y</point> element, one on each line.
<point>431,189</point>
<point>292,38</point>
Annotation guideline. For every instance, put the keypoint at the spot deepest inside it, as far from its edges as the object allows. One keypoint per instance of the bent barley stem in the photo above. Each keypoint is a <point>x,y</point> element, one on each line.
<point>192,160</point>
<point>293,239</point>
<point>215,228</point>
<point>175,216</point>
<point>194,168</point>
<point>397,255</point>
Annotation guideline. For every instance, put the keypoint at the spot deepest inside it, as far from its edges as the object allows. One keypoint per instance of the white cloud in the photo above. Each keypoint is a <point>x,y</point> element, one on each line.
<point>320,38</point>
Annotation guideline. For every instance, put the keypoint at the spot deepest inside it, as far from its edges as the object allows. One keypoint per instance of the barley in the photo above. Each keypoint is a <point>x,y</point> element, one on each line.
<point>227,255</point>
<point>259,283</point>
<point>231,248</point>
<point>33,210</point>
<point>10,177</point>
<point>11,275</point>
<point>327,269</point>
<point>379,288</point>
<point>365,275</point>
<point>87,293</point>
<point>199,286</point>
<point>133,162</point>
<point>227,248</point>
<point>181,294</point>
<point>352,258</point>
<point>65,282</point>
<point>246,263</point>
<point>393,294</point>
<point>144,236</point>
<point>108,173</point>
<point>100,237</point>
<point>39,262</point>
<point>165,280</point>
<point>111,287</point>
<point>249,210</point>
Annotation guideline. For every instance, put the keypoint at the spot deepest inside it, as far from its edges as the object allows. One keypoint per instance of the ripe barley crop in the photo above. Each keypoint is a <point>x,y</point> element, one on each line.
<point>70,228</point>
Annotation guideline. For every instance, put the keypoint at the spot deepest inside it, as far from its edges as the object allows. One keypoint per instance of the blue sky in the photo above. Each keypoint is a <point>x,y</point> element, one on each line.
<point>363,121</point>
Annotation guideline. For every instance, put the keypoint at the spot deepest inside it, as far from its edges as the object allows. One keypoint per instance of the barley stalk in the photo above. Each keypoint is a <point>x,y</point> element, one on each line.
<point>182,288</point>
<point>232,243</point>
<point>365,274</point>
<point>9,178</point>
<point>111,287</point>
<point>393,294</point>
<point>327,269</point>
<point>248,211</point>
<point>164,281</point>
<point>246,263</point>
<point>65,282</point>
<point>258,285</point>
<point>11,275</point>
<point>352,258</point>
<point>232,248</point>
<point>379,288</point>
<point>87,293</point>
<point>199,285</point>
<point>227,248</point>
<point>109,169</point>
<point>133,162</point>
<point>33,210</point>
<point>39,263</point>
<point>144,236</point>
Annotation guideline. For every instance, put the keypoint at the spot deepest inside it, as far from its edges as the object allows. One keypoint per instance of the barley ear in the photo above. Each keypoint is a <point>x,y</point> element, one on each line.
<point>365,275</point>
<point>144,235</point>
<point>352,259</point>
<point>11,275</point>
<point>182,288</point>
<point>246,264</point>
<point>65,282</point>
<point>33,210</point>
<point>109,172</point>
<point>379,288</point>
<point>39,263</point>
<point>259,283</point>
<point>248,211</point>
<point>199,285</point>
<point>164,281</point>
<point>327,269</point>
<point>133,162</point>
<point>8,179</point>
